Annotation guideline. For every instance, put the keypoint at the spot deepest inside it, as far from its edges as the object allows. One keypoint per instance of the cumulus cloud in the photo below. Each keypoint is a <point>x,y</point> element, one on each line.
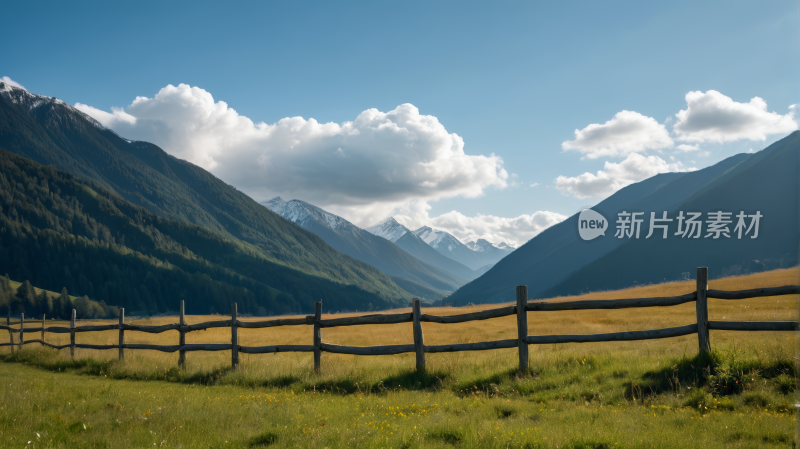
<point>713,117</point>
<point>513,230</point>
<point>688,148</point>
<point>372,164</point>
<point>615,176</point>
<point>11,82</point>
<point>628,132</point>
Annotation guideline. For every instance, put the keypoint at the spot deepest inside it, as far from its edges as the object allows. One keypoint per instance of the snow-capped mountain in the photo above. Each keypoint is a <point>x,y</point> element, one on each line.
<point>438,239</point>
<point>377,251</point>
<point>505,246</point>
<point>301,212</point>
<point>448,245</point>
<point>482,246</point>
<point>31,101</point>
<point>389,229</point>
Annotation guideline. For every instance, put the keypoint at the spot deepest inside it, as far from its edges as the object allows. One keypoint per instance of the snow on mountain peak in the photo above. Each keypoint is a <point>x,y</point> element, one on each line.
<point>19,95</point>
<point>273,203</point>
<point>437,239</point>
<point>482,245</point>
<point>505,246</point>
<point>300,212</point>
<point>389,229</point>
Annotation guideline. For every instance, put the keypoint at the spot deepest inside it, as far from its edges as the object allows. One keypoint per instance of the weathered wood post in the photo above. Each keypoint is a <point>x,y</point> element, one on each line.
<point>419,345</point>
<point>72,336</point>
<point>234,339</point>
<point>21,330</point>
<point>121,335</point>
<point>43,323</point>
<point>182,340</point>
<point>317,335</point>
<point>702,309</point>
<point>522,325</point>
<point>10,332</point>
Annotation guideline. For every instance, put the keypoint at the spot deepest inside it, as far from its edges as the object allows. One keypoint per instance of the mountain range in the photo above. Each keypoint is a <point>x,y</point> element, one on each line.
<point>476,257</point>
<point>362,245</point>
<point>411,243</point>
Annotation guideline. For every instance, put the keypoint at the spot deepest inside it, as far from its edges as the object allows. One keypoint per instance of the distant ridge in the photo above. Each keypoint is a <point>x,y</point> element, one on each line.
<point>446,244</point>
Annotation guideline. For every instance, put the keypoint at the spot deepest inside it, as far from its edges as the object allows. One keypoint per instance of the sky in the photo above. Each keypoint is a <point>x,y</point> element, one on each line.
<point>487,120</point>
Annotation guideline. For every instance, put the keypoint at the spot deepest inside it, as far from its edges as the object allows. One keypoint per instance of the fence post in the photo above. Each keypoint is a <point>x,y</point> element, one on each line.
<point>43,323</point>
<point>72,336</point>
<point>317,335</point>
<point>21,330</point>
<point>702,309</point>
<point>522,325</point>
<point>10,332</point>
<point>182,341</point>
<point>419,345</point>
<point>121,334</point>
<point>234,339</point>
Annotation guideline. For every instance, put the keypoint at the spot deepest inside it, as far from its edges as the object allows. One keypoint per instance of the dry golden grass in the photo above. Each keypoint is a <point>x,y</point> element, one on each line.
<point>612,394</point>
<point>781,308</point>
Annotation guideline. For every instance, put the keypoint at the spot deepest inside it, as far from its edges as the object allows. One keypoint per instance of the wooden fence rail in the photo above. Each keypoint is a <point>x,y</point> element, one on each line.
<point>416,317</point>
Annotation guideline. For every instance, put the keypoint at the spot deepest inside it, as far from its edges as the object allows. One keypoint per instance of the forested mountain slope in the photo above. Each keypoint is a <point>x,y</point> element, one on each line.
<point>51,132</point>
<point>57,230</point>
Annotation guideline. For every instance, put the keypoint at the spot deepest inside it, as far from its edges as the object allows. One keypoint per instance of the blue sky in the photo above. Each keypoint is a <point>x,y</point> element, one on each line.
<point>511,79</point>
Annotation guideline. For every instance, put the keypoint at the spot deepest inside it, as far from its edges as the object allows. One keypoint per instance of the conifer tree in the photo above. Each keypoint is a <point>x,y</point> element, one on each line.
<point>25,298</point>
<point>64,309</point>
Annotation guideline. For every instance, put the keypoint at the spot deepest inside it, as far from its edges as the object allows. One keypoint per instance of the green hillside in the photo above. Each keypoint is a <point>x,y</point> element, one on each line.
<point>57,231</point>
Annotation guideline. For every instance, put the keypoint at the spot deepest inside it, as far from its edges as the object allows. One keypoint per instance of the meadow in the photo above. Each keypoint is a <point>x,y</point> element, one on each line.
<point>653,393</point>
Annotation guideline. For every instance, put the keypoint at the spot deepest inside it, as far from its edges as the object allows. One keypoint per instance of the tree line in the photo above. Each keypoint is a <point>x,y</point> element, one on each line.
<point>24,299</point>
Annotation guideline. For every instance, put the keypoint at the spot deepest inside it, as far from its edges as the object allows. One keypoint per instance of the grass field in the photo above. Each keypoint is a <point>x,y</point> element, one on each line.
<point>653,393</point>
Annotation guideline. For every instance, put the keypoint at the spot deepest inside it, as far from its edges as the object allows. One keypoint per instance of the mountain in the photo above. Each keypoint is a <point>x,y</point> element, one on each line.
<point>389,229</point>
<point>505,247</point>
<point>393,231</point>
<point>362,245</point>
<point>766,182</point>
<point>488,250</point>
<point>558,252</point>
<point>447,245</point>
<point>51,132</point>
<point>482,245</point>
<point>58,230</point>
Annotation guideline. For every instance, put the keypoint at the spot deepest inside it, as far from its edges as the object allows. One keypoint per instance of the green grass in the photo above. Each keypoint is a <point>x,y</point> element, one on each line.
<point>568,400</point>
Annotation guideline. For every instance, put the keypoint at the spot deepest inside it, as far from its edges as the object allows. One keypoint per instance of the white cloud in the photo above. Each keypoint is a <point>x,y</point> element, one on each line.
<point>8,80</point>
<point>372,164</point>
<point>615,176</point>
<point>115,119</point>
<point>628,132</point>
<point>513,230</point>
<point>713,117</point>
<point>535,184</point>
<point>687,148</point>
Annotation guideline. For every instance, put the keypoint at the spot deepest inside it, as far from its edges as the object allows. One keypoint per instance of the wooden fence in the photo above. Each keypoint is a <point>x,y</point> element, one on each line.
<point>416,317</point>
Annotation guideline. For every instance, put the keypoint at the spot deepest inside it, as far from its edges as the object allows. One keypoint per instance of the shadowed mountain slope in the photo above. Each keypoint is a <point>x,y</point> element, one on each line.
<point>766,182</point>
<point>556,253</point>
